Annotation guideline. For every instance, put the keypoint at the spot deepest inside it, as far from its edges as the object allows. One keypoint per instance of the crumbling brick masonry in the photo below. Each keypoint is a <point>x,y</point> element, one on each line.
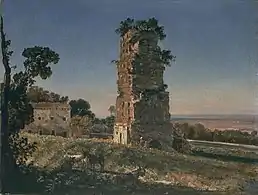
<point>142,104</point>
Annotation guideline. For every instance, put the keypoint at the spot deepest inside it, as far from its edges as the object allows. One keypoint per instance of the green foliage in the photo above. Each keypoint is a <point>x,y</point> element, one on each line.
<point>109,121</point>
<point>153,54</point>
<point>81,107</point>
<point>22,148</point>
<point>150,25</point>
<point>150,58</point>
<point>7,51</point>
<point>37,64</point>
<point>254,133</point>
<point>147,93</point>
<point>162,57</point>
<point>37,61</point>
<point>142,31</point>
<point>199,132</point>
<point>125,26</point>
<point>180,143</point>
<point>16,108</point>
<point>38,94</point>
<point>58,177</point>
<point>81,125</point>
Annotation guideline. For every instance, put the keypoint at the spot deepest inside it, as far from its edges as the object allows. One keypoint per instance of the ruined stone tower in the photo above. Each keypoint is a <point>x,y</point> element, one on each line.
<point>142,104</point>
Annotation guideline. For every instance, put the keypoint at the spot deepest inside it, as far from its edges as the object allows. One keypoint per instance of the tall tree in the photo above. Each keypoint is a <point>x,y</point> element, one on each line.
<point>37,63</point>
<point>16,108</point>
<point>4,107</point>
<point>81,125</point>
<point>81,107</point>
<point>109,122</point>
<point>37,94</point>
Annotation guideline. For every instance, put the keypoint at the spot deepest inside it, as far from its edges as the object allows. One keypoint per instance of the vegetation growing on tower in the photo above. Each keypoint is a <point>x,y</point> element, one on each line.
<point>141,29</point>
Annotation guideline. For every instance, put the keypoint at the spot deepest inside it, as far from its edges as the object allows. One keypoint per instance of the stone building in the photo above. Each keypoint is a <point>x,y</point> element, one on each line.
<point>142,104</point>
<point>51,118</point>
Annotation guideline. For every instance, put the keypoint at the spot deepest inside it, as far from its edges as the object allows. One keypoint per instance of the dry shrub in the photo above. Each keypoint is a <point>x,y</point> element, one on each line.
<point>180,143</point>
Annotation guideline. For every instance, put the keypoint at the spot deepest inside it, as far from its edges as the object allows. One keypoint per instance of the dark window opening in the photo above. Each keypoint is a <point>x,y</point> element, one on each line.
<point>64,119</point>
<point>39,118</point>
<point>122,109</point>
<point>51,117</point>
<point>65,134</point>
<point>120,138</point>
<point>40,132</point>
<point>53,133</point>
<point>29,131</point>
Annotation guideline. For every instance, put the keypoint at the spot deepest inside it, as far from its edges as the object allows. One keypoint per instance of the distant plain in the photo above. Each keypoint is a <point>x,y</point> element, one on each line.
<point>220,122</point>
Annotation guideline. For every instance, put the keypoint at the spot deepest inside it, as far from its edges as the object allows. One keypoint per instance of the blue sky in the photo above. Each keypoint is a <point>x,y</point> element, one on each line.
<point>214,41</point>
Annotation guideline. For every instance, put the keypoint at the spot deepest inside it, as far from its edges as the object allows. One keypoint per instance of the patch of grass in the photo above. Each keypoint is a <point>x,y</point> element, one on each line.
<point>197,172</point>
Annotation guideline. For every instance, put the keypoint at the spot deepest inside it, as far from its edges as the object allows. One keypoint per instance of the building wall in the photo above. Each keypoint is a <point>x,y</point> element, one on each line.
<point>53,116</point>
<point>47,114</point>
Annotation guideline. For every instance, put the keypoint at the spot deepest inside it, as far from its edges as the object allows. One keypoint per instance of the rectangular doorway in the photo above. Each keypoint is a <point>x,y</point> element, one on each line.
<point>120,138</point>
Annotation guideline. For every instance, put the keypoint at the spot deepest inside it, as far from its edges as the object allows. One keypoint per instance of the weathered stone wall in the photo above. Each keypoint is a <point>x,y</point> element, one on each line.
<point>140,115</point>
<point>53,117</point>
<point>121,133</point>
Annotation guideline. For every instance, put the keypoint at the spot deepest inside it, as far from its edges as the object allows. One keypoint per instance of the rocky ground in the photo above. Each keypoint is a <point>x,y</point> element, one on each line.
<point>208,170</point>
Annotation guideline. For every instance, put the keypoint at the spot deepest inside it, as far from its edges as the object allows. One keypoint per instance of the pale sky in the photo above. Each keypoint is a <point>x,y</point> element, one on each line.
<point>214,41</point>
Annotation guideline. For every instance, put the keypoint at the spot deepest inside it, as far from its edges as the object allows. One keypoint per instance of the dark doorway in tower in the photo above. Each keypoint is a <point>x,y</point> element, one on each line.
<point>120,138</point>
<point>155,144</point>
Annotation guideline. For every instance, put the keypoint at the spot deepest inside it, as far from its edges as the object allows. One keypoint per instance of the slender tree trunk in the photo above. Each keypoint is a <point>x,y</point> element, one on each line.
<point>1,103</point>
<point>5,152</point>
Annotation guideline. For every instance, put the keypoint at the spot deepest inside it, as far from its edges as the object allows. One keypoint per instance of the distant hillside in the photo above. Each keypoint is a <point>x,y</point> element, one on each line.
<point>216,117</point>
<point>221,122</point>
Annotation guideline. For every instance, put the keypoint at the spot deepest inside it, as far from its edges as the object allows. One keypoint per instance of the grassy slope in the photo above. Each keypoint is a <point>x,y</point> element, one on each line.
<point>215,169</point>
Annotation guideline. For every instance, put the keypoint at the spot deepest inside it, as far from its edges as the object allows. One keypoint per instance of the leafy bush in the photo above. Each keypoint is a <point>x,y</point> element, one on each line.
<point>199,132</point>
<point>180,143</point>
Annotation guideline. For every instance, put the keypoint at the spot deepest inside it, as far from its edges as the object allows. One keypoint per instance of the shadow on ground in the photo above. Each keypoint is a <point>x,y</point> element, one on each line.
<point>77,182</point>
<point>226,158</point>
<point>155,190</point>
<point>139,189</point>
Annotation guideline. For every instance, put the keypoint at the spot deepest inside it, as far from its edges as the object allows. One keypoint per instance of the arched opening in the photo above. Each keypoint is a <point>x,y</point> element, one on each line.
<point>155,144</point>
